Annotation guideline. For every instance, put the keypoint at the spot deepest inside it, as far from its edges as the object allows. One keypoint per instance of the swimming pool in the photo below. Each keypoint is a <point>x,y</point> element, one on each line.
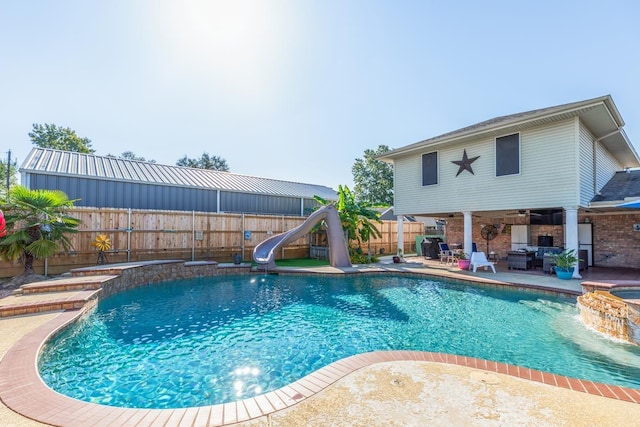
<point>214,340</point>
<point>626,293</point>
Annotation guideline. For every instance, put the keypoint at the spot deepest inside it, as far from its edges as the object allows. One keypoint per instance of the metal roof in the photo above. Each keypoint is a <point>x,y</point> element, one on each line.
<point>66,163</point>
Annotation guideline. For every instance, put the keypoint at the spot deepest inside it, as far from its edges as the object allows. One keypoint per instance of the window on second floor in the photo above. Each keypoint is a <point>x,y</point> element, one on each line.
<point>430,168</point>
<point>508,155</point>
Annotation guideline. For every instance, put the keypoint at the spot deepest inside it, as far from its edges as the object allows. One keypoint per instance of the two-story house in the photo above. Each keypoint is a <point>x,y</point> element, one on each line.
<point>546,171</point>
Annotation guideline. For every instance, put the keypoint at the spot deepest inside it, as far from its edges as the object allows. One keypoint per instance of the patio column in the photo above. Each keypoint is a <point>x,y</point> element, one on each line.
<point>571,234</point>
<point>468,233</point>
<point>400,251</point>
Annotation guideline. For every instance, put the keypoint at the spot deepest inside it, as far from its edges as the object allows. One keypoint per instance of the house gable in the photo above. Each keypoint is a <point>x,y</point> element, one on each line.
<point>567,153</point>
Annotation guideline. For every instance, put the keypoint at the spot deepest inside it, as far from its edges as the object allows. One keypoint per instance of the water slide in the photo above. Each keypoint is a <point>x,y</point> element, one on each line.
<point>264,253</point>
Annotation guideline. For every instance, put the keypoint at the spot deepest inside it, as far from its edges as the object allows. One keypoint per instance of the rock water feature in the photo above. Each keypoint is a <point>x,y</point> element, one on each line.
<point>606,312</point>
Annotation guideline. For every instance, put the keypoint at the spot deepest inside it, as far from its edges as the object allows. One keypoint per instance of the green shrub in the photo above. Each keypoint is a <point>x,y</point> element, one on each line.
<point>358,257</point>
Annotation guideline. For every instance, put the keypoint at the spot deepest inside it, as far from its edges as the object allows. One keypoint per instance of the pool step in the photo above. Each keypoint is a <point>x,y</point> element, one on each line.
<point>80,283</point>
<point>16,305</point>
<point>68,293</point>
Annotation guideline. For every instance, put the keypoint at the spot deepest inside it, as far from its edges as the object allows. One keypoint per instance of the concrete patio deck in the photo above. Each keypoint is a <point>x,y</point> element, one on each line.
<point>399,389</point>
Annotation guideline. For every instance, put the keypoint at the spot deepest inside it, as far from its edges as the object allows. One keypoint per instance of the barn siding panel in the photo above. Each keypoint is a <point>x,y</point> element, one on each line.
<point>120,194</point>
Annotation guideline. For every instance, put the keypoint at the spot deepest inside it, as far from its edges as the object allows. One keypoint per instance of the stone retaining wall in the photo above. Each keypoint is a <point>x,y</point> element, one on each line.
<point>132,275</point>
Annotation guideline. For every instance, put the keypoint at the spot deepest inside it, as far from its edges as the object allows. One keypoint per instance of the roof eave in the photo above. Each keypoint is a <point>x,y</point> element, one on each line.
<point>39,161</point>
<point>574,108</point>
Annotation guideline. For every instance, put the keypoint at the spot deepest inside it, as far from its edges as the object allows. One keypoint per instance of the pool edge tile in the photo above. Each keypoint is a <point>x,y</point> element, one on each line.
<point>203,417</point>
<point>252,408</point>
<point>277,402</point>
<point>229,415</point>
<point>264,404</point>
<point>241,412</point>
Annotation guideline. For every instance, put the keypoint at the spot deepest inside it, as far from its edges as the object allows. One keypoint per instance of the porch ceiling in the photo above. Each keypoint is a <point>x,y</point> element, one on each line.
<point>516,212</point>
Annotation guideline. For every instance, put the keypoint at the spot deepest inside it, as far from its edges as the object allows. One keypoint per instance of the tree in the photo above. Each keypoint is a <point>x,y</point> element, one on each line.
<point>59,138</point>
<point>13,180</point>
<point>373,178</point>
<point>205,162</point>
<point>357,218</point>
<point>37,224</point>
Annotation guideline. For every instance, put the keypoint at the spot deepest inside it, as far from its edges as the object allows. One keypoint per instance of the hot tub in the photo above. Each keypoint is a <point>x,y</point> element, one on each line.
<point>626,293</point>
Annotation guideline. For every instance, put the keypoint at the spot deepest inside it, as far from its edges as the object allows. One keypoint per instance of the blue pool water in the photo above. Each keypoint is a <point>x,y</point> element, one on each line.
<point>626,293</point>
<point>214,340</point>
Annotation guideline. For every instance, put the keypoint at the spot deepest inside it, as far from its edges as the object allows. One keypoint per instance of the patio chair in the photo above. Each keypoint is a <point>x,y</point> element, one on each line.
<point>446,255</point>
<point>479,259</point>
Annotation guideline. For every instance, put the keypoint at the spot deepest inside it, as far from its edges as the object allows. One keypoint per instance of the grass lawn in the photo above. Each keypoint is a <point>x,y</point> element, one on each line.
<point>302,262</point>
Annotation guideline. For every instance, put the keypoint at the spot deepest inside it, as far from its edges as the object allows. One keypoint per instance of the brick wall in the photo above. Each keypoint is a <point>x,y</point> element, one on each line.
<point>501,244</point>
<point>615,243</point>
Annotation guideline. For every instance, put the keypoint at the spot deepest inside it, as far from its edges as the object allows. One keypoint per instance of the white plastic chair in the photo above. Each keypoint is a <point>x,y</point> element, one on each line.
<point>479,259</point>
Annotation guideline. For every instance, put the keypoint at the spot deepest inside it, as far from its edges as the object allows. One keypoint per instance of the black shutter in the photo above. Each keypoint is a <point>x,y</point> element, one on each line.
<point>430,168</point>
<point>508,155</point>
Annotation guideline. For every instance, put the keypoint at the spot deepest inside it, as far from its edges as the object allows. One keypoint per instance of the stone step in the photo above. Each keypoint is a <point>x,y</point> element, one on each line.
<point>118,269</point>
<point>65,284</point>
<point>16,305</point>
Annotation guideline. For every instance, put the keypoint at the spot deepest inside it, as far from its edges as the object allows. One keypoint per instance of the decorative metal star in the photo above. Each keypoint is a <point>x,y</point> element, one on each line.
<point>465,163</point>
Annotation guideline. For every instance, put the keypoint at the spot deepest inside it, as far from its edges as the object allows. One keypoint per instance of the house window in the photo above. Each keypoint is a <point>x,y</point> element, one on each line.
<point>508,155</point>
<point>430,168</point>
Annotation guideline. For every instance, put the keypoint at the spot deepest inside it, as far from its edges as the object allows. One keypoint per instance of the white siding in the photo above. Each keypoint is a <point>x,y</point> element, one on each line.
<point>548,176</point>
<point>408,178</point>
<point>587,190</point>
<point>606,166</point>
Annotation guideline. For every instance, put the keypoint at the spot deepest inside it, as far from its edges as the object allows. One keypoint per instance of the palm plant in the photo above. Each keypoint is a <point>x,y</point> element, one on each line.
<point>358,218</point>
<point>37,224</point>
<point>566,259</point>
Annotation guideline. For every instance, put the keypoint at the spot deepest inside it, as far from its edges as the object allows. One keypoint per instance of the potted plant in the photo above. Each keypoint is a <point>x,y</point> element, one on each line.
<point>463,261</point>
<point>565,263</point>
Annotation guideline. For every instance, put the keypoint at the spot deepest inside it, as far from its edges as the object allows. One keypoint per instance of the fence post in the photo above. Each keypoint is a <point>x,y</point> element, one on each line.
<point>400,250</point>
<point>242,237</point>
<point>129,235</point>
<point>193,235</point>
<point>282,230</point>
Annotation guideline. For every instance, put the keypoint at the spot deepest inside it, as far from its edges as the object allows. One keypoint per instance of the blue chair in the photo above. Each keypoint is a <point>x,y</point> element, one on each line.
<point>446,254</point>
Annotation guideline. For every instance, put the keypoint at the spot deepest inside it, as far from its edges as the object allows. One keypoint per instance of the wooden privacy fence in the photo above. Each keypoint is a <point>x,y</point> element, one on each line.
<point>139,235</point>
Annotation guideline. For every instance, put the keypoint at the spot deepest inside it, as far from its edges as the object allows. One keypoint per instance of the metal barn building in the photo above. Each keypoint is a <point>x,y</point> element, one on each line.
<point>110,182</point>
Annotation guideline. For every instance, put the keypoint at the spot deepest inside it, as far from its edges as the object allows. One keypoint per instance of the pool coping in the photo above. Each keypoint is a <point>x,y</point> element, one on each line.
<point>22,389</point>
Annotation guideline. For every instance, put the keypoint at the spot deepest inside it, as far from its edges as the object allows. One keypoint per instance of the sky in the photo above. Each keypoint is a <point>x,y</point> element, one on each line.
<point>297,90</point>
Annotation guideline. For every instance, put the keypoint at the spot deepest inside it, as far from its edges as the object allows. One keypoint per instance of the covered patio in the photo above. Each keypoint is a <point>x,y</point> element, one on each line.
<point>535,276</point>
